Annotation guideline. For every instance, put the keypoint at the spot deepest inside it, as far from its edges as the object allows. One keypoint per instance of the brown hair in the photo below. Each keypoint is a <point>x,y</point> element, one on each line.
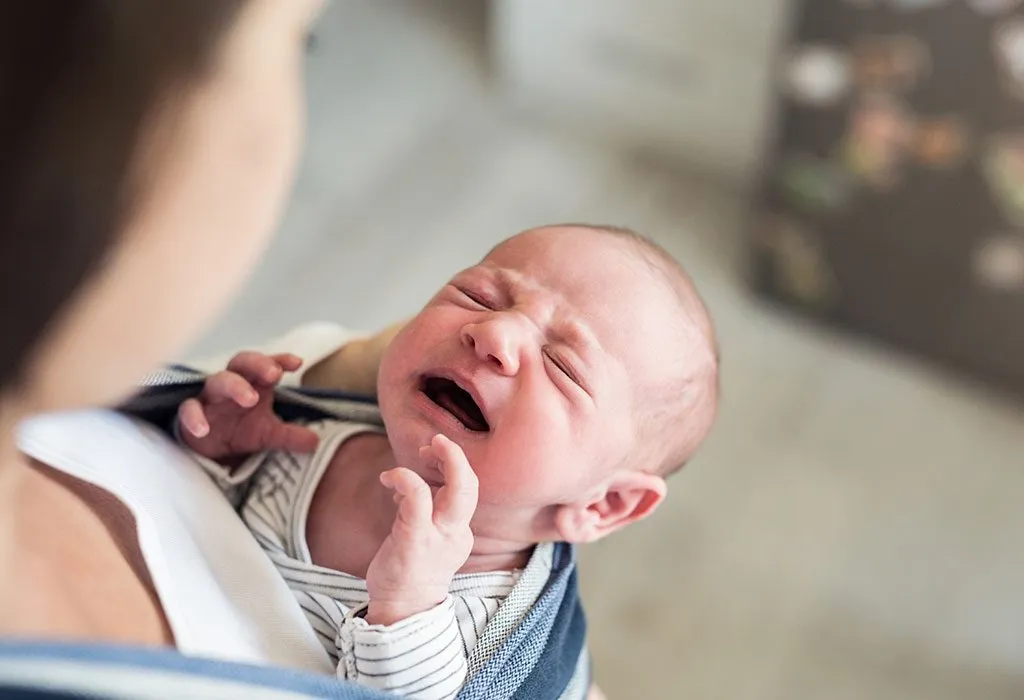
<point>80,80</point>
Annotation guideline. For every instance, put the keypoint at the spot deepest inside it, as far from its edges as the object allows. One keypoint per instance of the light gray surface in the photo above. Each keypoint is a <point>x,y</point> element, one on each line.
<point>851,530</point>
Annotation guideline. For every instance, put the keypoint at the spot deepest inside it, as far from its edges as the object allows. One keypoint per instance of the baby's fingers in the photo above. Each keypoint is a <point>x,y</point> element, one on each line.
<point>293,438</point>
<point>266,370</point>
<point>456,501</point>
<point>229,386</point>
<point>192,418</point>
<point>413,495</point>
<point>288,362</point>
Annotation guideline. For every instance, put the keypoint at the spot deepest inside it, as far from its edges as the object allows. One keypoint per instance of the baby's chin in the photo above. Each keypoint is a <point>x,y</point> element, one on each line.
<point>406,437</point>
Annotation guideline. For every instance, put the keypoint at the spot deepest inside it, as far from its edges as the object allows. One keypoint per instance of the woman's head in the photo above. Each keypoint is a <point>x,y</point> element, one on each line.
<point>148,146</point>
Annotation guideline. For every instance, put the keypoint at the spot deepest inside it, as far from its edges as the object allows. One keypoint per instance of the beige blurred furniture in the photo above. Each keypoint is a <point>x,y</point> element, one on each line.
<point>687,79</point>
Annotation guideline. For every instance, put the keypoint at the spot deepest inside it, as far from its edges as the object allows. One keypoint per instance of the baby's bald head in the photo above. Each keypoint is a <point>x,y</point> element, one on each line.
<point>676,413</point>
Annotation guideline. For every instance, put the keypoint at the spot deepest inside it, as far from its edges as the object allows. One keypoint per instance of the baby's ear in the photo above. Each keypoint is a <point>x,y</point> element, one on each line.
<point>629,496</point>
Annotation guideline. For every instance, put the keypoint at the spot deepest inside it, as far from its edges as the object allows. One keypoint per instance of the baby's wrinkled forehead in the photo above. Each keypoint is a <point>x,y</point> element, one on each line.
<point>552,242</point>
<point>590,272</point>
<point>624,298</point>
<point>565,259</point>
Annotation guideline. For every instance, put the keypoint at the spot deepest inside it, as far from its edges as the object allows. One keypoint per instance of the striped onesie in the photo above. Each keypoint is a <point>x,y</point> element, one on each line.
<point>424,656</point>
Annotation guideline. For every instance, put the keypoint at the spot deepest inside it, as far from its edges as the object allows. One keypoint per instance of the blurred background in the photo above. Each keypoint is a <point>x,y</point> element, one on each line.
<point>843,181</point>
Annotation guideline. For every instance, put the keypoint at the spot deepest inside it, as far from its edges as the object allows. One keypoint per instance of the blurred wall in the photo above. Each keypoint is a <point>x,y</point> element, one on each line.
<point>689,80</point>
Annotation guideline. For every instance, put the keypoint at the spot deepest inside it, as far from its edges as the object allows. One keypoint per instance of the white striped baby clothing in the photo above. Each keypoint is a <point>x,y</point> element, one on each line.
<point>424,656</point>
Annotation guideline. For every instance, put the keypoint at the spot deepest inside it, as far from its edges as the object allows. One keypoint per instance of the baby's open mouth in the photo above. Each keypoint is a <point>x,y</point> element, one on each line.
<point>457,401</point>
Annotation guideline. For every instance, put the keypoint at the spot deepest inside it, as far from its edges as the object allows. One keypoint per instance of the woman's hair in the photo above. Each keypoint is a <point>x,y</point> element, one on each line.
<point>80,82</point>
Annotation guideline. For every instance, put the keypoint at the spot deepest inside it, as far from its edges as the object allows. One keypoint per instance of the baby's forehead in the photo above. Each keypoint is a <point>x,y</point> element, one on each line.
<point>593,270</point>
<point>554,242</point>
<point>575,261</point>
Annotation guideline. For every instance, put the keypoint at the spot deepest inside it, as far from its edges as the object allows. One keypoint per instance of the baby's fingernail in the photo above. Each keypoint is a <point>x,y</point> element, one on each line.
<point>201,431</point>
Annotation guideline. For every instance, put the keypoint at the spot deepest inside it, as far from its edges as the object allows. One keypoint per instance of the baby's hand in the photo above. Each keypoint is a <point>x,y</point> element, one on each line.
<point>234,415</point>
<point>430,539</point>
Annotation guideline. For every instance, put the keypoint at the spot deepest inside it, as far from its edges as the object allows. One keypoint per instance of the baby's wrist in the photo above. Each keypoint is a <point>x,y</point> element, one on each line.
<point>389,612</point>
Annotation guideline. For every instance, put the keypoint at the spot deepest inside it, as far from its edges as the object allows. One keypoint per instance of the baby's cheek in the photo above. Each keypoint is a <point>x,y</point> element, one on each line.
<point>503,483</point>
<point>516,480</point>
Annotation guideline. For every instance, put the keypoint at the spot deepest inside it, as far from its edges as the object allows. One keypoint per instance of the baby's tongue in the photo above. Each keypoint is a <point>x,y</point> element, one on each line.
<point>448,403</point>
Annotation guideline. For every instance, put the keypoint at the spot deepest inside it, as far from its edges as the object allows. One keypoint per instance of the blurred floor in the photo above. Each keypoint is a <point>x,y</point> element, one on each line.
<point>853,528</point>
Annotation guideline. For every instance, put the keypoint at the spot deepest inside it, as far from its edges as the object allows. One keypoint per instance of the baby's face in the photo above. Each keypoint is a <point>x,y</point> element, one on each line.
<point>531,361</point>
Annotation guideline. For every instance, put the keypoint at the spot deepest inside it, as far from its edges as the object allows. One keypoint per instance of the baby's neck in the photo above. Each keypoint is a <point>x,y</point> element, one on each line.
<point>351,514</point>
<point>496,555</point>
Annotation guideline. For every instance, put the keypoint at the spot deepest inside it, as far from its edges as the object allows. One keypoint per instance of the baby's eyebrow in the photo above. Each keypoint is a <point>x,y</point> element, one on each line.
<point>506,280</point>
<point>578,336</point>
<point>493,274</point>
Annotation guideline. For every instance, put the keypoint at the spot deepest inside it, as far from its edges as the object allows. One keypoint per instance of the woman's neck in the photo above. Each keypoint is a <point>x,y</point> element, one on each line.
<point>69,573</point>
<point>62,575</point>
<point>11,473</point>
<point>38,517</point>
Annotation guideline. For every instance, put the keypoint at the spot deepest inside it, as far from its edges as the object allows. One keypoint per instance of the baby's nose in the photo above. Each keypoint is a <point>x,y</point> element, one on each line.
<point>494,344</point>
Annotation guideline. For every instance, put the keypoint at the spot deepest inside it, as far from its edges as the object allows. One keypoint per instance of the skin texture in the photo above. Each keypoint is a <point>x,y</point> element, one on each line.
<point>219,163</point>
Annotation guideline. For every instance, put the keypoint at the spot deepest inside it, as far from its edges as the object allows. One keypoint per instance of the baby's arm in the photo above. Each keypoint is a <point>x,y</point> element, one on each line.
<point>353,366</point>
<point>409,641</point>
<point>338,358</point>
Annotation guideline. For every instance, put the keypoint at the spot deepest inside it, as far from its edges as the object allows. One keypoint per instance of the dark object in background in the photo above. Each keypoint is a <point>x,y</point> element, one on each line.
<point>893,199</point>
